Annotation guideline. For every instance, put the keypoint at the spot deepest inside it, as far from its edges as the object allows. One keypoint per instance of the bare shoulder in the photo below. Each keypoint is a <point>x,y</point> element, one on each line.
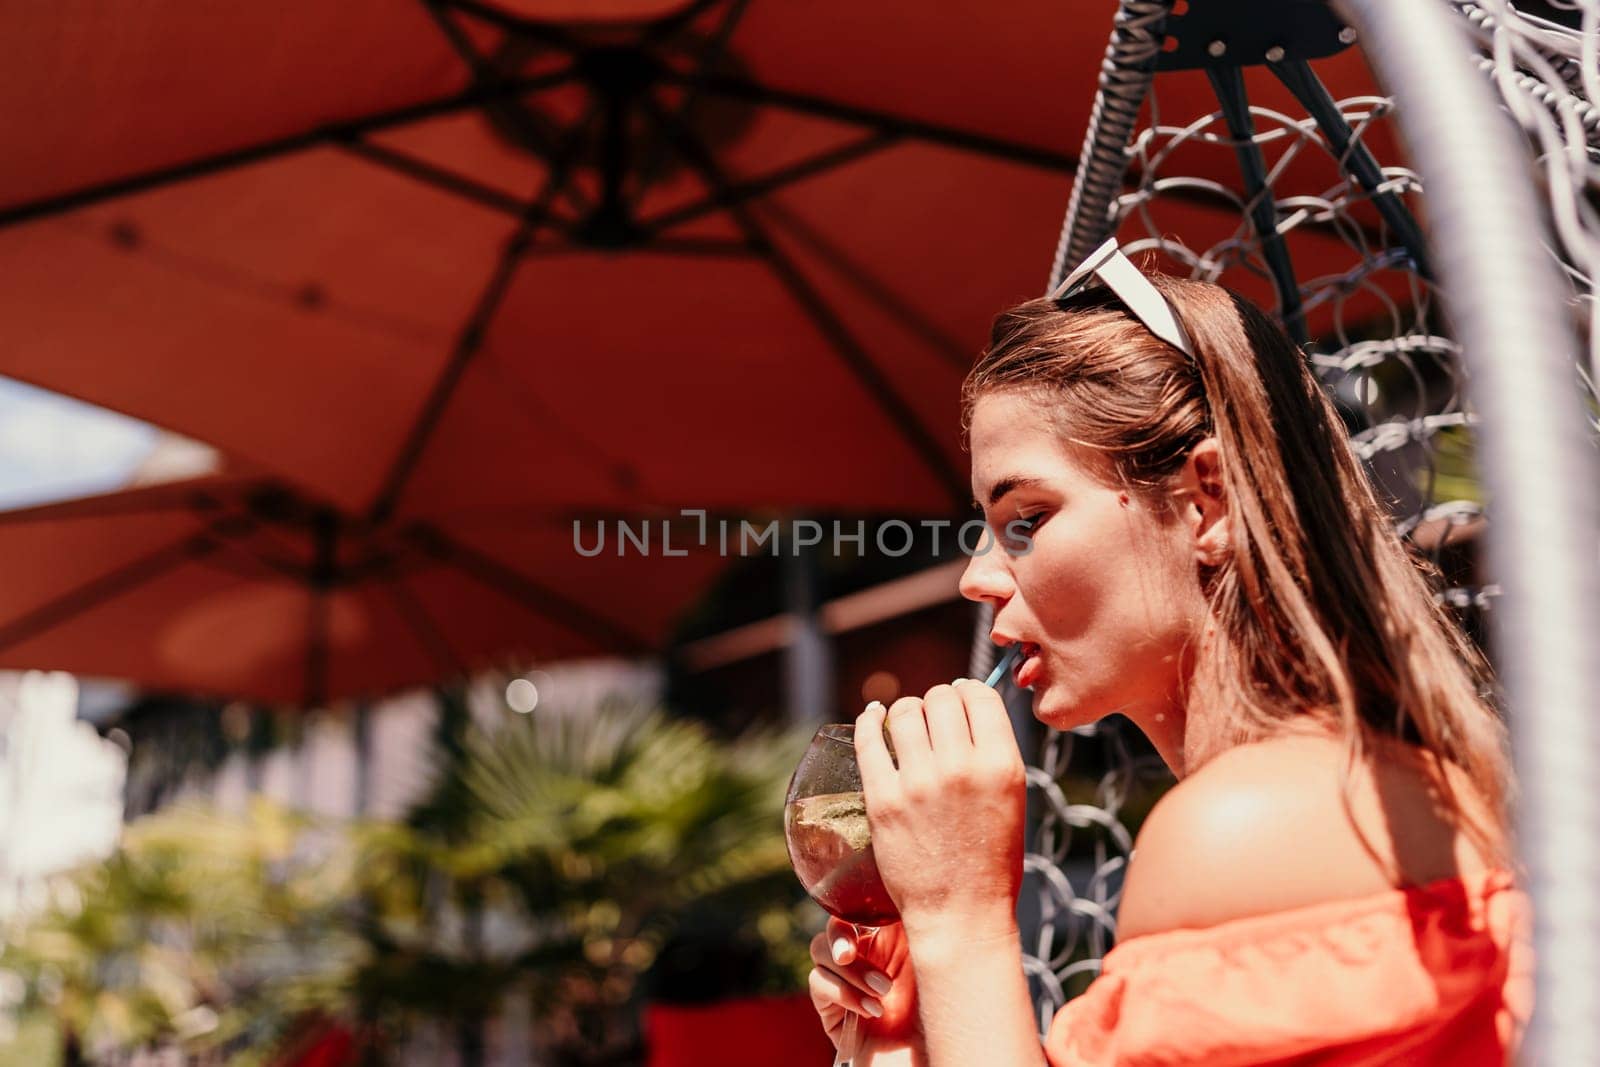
<point>1263,828</point>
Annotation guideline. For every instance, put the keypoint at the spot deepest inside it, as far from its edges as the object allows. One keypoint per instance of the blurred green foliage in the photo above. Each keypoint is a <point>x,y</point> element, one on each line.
<point>584,840</point>
<point>36,1042</point>
<point>1453,471</point>
<point>200,928</point>
<point>552,860</point>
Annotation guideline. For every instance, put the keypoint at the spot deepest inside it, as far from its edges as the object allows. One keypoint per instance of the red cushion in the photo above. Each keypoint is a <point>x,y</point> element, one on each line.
<point>772,1031</point>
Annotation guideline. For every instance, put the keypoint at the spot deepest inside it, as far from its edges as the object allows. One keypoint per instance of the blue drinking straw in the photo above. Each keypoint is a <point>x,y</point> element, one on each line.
<point>1003,666</point>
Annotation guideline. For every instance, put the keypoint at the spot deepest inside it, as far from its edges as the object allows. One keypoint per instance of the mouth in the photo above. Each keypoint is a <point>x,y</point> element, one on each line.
<point>1025,672</point>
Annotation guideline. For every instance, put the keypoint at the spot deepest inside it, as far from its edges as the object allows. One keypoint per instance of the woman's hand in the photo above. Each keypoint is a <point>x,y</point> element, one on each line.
<point>866,971</point>
<point>947,834</point>
<point>947,822</point>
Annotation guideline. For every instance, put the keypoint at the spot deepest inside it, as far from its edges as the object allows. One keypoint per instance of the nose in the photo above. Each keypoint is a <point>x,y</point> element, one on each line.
<point>988,575</point>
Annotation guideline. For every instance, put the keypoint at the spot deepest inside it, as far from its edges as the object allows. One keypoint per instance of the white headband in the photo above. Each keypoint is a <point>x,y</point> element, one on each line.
<point>1117,272</point>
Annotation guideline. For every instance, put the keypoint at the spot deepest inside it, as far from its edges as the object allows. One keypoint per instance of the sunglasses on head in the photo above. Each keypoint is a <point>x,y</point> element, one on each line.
<point>1138,294</point>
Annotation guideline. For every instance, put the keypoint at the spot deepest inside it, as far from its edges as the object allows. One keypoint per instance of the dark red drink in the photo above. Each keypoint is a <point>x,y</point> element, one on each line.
<point>831,850</point>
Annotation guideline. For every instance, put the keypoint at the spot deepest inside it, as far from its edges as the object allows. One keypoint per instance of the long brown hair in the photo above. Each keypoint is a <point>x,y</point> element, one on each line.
<point>1321,609</point>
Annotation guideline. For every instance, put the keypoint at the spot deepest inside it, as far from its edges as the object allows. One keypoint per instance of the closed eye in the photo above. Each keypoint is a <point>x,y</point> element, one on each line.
<point>1017,537</point>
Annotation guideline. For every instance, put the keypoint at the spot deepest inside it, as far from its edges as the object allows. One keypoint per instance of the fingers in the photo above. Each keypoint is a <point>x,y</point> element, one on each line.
<point>855,987</point>
<point>883,947</point>
<point>909,728</point>
<point>841,940</point>
<point>994,742</point>
<point>940,726</point>
<point>986,716</point>
<point>828,990</point>
<point>872,755</point>
<point>946,715</point>
<point>863,976</point>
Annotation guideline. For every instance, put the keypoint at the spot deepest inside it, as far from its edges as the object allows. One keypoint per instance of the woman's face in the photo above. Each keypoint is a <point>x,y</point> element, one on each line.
<point>1107,602</point>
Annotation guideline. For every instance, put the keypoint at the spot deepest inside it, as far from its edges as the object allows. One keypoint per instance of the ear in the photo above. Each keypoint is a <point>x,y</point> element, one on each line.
<point>1202,498</point>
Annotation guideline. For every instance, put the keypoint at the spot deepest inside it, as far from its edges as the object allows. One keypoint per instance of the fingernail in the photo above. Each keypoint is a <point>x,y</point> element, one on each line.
<point>841,949</point>
<point>879,982</point>
<point>877,705</point>
<point>872,1007</point>
<point>958,681</point>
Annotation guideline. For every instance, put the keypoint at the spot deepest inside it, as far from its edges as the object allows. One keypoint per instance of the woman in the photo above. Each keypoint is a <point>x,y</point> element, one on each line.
<point>1190,541</point>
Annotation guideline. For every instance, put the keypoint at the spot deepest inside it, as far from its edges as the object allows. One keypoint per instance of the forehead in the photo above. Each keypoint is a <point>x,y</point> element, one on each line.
<point>1011,436</point>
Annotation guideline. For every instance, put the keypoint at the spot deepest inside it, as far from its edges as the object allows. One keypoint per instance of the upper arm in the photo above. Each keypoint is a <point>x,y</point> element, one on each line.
<point>1190,866</point>
<point>1251,833</point>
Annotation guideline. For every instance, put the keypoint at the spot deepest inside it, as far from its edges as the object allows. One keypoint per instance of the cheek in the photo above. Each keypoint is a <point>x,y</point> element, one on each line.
<point>1101,574</point>
<point>1070,594</point>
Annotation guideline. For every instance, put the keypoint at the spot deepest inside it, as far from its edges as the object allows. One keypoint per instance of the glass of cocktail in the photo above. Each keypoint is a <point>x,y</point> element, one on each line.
<point>830,843</point>
<point>825,822</point>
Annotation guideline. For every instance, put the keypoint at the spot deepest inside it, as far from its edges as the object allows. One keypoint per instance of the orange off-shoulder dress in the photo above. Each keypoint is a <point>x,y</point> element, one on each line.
<point>1439,974</point>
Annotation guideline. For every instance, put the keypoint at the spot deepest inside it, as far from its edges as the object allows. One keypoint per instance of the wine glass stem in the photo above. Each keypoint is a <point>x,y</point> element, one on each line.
<point>849,1034</point>
<point>847,1041</point>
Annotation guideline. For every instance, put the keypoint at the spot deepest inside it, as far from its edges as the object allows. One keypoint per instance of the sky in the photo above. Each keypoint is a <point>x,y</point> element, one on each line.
<point>52,447</point>
<point>60,784</point>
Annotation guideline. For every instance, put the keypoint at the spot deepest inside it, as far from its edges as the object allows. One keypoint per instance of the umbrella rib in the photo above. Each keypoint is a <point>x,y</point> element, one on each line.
<point>444,387</point>
<point>284,564</point>
<point>523,590</point>
<point>459,42</point>
<point>537,140</point>
<point>874,288</point>
<point>868,374</point>
<point>711,53</point>
<point>671,24</point>
<point>737,192</point>
<point>128,502</point>
<point>587,449</point>
<point>949,136</point>
<point>833,329</point>
<point>85,196</point>
<point>966,140</point>
<point>409,608</point>
<point>470,341</point>
<point>129,576</point>
<point>543,32</point>
<point>440,178</point>
<point>235,528</point>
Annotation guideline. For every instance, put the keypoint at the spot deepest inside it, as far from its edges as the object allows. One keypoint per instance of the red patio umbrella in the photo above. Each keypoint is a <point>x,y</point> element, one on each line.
<point>236,586</point>
<point>462,265</point>
<point>490,257</point>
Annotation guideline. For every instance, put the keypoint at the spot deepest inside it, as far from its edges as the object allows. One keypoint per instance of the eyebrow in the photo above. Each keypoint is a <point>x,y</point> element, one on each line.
<point>1008,483</point>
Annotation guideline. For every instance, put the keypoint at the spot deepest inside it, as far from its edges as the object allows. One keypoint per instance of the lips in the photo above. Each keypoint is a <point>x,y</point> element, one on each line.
<point>1025,672</point>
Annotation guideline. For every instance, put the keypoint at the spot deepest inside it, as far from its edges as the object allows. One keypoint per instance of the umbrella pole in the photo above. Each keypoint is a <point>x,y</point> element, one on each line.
<point>361,731</point>
<point>808,659</point>
<point>254,747</point>
<point>324,575</point>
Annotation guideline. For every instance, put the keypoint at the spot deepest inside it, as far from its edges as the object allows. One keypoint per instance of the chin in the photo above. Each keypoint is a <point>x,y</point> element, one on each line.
<point>1060,711</point>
